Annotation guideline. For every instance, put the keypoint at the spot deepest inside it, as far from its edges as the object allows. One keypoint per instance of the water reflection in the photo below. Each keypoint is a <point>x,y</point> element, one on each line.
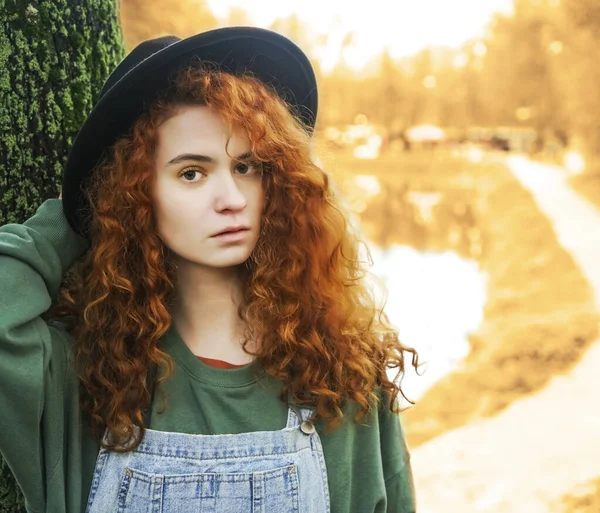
<point>435,299</point>
<point>425,241</point>
<point>398,211</point>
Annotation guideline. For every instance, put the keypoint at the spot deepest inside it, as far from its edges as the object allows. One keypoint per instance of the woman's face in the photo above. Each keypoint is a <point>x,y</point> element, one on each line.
<point>200,191</point>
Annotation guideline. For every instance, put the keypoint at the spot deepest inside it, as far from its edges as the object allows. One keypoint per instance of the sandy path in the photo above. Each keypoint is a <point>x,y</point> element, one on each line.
<point>541,447</point>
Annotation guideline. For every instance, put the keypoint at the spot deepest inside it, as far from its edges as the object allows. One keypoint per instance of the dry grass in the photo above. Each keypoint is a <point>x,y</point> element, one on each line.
<point>586,499</point>
<point>588,185</point>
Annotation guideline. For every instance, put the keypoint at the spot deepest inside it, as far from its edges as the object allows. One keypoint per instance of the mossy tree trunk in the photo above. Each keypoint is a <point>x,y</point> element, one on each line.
<point>54,57</point>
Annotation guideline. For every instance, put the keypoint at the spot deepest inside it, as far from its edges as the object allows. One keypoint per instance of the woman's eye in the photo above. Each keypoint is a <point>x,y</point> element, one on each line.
<point>243,167</point>
<point>252,167</point>
<point>189,173</point>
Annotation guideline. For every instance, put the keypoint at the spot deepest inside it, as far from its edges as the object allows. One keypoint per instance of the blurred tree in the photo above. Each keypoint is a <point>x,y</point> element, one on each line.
<point>54,57</point>
<point>147,19</point>
<point>391,107</point>
<point>583,14</point>
<point>291,26</point>
<point>459,86</point>
<point>579,76</point>
<point>294,28</point>
<point>519,79</point>
<point>237,17</point>
<point>421,97</point>
<point>340,94</point>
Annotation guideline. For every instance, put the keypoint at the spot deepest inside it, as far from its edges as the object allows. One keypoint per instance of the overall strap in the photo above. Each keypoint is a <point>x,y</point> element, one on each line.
<point>302,414</point>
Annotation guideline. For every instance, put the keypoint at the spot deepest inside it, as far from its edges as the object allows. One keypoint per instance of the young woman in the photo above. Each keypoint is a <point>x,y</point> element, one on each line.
<point>188,329</point>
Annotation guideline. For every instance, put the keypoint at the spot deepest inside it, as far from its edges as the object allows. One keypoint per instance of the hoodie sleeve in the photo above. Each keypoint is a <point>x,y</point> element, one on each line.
<point>399,484</point>
<point>33,258</point>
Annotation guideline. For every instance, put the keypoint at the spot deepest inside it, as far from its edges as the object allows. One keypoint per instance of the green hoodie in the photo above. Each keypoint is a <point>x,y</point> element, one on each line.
<point>50,450</point>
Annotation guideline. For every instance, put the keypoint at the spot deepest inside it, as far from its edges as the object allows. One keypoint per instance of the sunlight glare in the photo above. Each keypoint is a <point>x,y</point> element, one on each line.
<point>400,26</point>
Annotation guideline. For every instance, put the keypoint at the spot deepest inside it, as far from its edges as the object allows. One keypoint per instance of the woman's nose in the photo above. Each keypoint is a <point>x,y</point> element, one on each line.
<point>228,194</point>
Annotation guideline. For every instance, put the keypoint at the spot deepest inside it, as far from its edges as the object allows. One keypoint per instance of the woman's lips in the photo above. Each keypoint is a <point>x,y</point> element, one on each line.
<point>232,236</point>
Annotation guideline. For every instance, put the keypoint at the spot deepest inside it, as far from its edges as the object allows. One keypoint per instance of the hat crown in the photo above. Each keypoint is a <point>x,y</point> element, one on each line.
<point>140,53</point>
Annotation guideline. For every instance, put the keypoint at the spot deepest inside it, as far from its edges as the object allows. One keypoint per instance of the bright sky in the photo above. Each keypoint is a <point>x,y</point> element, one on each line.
<point>402,25</point>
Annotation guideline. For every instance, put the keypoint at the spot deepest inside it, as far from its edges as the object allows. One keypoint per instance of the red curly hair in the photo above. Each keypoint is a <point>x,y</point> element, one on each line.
<point>306,300</point>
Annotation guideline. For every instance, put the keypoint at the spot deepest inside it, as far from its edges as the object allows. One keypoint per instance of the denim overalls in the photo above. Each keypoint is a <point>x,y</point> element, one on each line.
<point>258,472</point>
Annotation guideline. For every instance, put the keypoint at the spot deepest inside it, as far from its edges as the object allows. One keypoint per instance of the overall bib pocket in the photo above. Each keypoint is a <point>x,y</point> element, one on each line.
<point>270,491</point>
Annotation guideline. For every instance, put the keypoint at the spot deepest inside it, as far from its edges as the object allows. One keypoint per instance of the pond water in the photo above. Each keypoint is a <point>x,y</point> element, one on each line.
<point>435,300</point>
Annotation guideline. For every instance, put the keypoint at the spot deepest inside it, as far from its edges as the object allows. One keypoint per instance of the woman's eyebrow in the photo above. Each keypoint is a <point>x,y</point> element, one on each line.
<point>203,158</point>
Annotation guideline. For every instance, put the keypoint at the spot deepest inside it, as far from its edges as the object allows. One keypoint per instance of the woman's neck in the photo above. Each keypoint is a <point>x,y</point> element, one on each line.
<point>205,313</point>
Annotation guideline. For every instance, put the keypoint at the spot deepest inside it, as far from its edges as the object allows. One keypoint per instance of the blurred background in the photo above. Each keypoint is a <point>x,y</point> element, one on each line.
<point>465,138</point>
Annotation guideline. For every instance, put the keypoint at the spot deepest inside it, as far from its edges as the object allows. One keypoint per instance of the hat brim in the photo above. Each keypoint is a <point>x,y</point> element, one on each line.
<point>269,56</point>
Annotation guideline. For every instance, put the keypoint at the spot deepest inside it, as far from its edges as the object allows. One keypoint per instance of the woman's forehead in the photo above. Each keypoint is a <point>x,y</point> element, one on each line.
<point>200,128</point>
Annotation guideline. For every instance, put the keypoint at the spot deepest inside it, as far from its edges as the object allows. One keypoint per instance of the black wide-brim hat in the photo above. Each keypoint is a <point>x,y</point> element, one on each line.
<point>146,71</point>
